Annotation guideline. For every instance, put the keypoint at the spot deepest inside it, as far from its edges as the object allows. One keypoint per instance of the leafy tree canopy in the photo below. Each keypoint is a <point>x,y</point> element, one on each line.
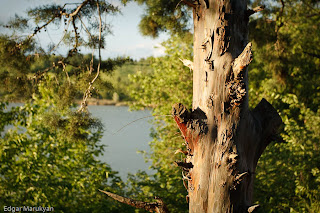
<point>161,15</point>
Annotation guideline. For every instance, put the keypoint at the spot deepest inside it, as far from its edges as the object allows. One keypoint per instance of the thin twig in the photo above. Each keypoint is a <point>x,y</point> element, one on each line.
<point>40,28</point>
<point>86,29</point>
<point>65,33</point>
<point>88,91</point>
<point>64,70</point>
<point>277,29</point>
<point>138,120</point>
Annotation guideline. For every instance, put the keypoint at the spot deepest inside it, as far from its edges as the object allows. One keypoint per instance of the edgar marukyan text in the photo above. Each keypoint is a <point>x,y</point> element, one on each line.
<point>27,208</point>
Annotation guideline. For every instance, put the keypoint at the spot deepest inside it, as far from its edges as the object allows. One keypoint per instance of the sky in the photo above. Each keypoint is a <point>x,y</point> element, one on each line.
<point>125,41</point>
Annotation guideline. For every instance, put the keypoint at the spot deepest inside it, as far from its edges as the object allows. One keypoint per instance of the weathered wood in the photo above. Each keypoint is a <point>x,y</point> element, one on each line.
<point>253,208</point>
<point>187,63</point>
<point>255,10</point>
<point>157,206</point>
<point>224,139</point>
<point>183,164</point>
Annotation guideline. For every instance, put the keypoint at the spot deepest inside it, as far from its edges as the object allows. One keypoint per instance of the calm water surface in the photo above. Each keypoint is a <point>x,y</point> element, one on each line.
<point>124,139</point>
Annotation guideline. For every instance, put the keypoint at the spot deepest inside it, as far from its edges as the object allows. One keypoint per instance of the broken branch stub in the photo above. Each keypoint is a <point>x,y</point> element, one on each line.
<point>255,10</point>
<point>242,61</point>
<point>180,112</point>
<point>181,116</point>
<point>185,165</point>
<point>181,151</point>
<point>157,206</point>
<point>191,124</point>
<point>187,63</point>
<point>268,122</point>
<point>253,208</point>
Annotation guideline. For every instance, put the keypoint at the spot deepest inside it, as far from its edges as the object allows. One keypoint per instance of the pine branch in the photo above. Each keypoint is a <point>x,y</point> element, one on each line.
<point>71,15</point>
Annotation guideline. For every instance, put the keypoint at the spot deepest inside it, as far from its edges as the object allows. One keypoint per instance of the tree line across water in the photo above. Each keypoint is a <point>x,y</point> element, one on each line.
<point>49,152</point>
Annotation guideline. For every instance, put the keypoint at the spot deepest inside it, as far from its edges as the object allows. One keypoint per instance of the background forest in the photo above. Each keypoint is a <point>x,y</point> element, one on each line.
<point>49,155</point>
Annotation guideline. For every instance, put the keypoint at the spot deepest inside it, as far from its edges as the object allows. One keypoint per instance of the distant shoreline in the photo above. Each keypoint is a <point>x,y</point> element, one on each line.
<point>94,101</point>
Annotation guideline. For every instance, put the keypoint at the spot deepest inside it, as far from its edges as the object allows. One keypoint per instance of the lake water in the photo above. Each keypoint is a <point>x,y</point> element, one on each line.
<point>125,134</point>
<point>124,138</point>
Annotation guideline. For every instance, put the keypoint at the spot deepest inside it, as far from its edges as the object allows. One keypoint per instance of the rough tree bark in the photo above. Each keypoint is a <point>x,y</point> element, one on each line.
<point>224,139</point>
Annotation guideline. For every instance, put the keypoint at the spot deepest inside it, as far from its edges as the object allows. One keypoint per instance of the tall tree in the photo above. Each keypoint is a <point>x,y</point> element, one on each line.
<point>224,139</point>
<point>81,25</point>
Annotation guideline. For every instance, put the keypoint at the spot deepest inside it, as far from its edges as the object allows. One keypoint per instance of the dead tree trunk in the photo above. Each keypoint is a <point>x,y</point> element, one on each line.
<point>224,139</point>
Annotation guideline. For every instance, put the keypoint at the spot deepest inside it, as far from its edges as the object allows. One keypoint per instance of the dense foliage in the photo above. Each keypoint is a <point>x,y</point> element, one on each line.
<point>119,78</point>
<point>49,157</point>
<point>22,70</point>
<point>49,147</point>
<point>161,16</point>
<point>286,72</point>
<point>170,82</point>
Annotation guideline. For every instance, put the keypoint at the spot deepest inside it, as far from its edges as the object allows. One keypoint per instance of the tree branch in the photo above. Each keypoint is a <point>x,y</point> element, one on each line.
<point>187,63</point>
<point>312,15</point>
<point>157,206</point>
<point>255,10</point>
<point>58,16</point>
<point>77,10</point>
<point>242,61</point>
<point>190,4</point>
<point>181,151</point>
<point>39,28</point>
<point>89,89</point>
<point>312,54</point>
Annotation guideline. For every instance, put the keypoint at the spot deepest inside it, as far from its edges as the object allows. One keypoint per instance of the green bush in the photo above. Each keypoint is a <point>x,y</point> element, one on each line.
<point>48,155</point>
